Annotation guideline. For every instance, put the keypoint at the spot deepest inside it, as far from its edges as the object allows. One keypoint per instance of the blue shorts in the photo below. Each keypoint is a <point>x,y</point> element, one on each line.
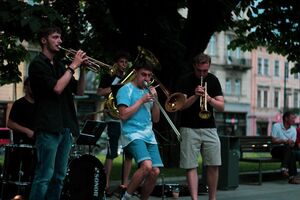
<point>140,150</point>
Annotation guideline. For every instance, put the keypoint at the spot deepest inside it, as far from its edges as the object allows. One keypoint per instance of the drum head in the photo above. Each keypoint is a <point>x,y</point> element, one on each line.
<point>85,179</point>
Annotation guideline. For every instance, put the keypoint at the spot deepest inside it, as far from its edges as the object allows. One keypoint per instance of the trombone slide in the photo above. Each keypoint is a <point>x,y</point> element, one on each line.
<point>165,114</point>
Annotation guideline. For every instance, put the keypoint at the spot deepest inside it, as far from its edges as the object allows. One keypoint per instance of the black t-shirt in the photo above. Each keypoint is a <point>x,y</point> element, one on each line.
<point>22,112</point>
<point>190,116</point>
<point>108,80</point>
<point>53,111</point>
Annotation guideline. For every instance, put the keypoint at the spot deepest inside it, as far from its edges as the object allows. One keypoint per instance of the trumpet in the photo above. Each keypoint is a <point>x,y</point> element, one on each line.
<point>92,64</point>
<point>164,113</point>
<point>204,113</point>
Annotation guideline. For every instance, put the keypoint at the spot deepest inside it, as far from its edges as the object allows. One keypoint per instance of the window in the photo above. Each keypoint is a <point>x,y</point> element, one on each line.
<point>265,98</point>
<point>276,99</point>
<point>266,67</point>
<point>276,68</point>
<point>296,75</point>
<point>237,87</point>
<point>233,87</point>
<point>259,67</point>
<point>262,98</point>
<point>286,69</point>
<point>212,47</point>
<point>228,86</point>
<point>258,99</point>
<point>296,99</point>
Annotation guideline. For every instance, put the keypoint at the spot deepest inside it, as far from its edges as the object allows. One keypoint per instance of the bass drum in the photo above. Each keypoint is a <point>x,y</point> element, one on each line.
<point>85,179</point>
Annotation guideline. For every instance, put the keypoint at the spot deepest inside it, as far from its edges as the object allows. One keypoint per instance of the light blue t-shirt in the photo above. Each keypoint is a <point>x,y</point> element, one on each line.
<point>139,125</point>
<point>279,131</point>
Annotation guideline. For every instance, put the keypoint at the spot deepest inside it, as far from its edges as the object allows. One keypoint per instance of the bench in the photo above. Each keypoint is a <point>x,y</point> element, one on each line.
<point>256,144</point>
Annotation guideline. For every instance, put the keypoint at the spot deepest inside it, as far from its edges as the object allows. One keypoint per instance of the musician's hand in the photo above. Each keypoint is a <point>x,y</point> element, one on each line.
<point>79,58</point>
<point>147,97</point>
<point>199,90</point>
<point>290,142</point>
<point>30,134</point>
<point>153,92</point>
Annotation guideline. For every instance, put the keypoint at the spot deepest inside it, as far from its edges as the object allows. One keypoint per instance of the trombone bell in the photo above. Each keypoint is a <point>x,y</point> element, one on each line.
<point>175,102</point>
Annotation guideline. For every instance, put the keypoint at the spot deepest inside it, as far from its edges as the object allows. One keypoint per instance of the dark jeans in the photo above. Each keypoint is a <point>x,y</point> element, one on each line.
<point>287,156</point>
<point>52,156</point>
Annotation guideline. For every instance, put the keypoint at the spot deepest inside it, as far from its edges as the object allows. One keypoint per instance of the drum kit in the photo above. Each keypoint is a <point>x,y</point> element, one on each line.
<point>85,177</point>
<point>18,170</point>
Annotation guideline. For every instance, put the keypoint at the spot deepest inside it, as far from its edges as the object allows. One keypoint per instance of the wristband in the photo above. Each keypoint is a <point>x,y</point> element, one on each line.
<point>71,70</point>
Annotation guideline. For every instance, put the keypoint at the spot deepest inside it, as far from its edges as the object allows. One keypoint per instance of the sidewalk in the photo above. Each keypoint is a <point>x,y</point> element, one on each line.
<point>273,188</point>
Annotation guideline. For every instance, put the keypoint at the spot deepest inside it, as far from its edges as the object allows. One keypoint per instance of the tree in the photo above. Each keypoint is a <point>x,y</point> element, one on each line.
<point>101,27</point>
<point>274,24</point>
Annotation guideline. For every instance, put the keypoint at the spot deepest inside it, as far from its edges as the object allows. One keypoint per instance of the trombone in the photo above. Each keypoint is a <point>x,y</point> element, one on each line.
<point>174,101</point>
<point>93,64</point>
<point>204,113</point>
<point>164,113</point>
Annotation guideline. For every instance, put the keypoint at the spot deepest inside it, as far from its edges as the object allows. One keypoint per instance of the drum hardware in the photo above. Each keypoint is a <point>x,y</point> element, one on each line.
<point>18,170</point>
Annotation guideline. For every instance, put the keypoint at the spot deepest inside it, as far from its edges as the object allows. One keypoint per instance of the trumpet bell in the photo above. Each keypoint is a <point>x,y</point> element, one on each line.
<point>204,114</point>
<point>175,102</point>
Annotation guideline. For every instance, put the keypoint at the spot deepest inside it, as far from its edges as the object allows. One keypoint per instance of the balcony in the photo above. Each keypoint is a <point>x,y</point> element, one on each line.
<point>241,64</point>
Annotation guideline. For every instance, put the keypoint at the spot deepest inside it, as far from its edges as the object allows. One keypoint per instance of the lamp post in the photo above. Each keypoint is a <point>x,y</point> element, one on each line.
<point>284,87</point>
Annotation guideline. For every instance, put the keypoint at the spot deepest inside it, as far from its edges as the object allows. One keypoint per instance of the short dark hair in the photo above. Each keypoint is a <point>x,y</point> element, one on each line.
<point>143,64</point>
<point>287,114</point>
<point>46,31</point>
<point>201,59</point>
<point>121,54</point>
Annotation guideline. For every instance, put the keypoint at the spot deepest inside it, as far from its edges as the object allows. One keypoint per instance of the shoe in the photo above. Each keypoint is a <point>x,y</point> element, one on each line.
<point>108,193</point>
<point>294,181</point>
<point>123,189</point>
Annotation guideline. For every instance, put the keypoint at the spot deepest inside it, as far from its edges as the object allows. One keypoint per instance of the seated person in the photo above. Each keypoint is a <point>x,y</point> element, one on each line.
<point>283,138</point>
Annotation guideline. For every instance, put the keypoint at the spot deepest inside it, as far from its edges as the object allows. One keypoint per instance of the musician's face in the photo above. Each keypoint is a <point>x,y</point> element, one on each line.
<point>143,75</point>
<point>201,69</point>
<point>122,64</point>
<point>52,42</point>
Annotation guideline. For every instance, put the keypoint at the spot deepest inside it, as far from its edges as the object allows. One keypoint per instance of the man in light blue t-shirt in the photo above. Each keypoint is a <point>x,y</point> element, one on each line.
<point>137,111</point>
<point>283,139</point>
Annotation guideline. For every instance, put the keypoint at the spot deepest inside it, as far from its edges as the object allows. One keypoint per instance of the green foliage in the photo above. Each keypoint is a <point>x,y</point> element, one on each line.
<point>11,55</point>
<point>103,27</point>
<point>19,21</point>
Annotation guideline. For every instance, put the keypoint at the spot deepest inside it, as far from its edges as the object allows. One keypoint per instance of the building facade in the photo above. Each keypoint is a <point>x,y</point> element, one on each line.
<point>257,87</point>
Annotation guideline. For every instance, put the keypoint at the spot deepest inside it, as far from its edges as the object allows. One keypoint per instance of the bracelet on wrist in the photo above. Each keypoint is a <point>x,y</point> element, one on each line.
<point>71,70</point>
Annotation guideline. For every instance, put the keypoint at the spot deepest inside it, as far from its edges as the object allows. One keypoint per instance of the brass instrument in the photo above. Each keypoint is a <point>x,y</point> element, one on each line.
<point>204,113</point>
<point>93,64</point>
<point>174,101</point>
<point>164,113</point>
<point>110,102</point>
